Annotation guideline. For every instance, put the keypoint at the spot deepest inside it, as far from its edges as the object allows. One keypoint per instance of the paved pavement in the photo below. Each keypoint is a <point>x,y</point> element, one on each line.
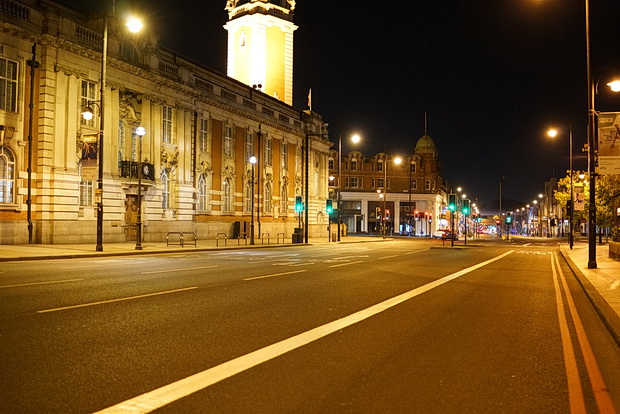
<point>601,284</point>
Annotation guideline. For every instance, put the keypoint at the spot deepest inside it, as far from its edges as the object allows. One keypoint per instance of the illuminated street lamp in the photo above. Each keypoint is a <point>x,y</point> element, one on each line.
<point>140,132</point>
<point>396,161</point>
<point>355,139</point>
<point>553,133</point>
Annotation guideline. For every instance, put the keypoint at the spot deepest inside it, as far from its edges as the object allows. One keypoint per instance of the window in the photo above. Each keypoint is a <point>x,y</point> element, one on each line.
<point>7,176</point>
<point>165,192</point>
<point>86,192</point>
<point>87,97</point>
<point>427,184</point>
<point>166,124</point>
<point>249,145</point>
<point>203,134</point>
<point>248,196</point>
<point>284,200</point>
<point>330,164</point>
<point>353,165</point>
<point>380,182</point>
<point>414,184</point>
<point>379,165</point>
<point>202,193</point>
<point>8,85</point>
<point>121,143</point>
<point>354,181</point>
<point>228,141</point>
<point>412,167</point>
<point>267,205</point>
<point>268,151</point>
<point>134,146</point>
<point>284,156</point>
<point>226,197</point>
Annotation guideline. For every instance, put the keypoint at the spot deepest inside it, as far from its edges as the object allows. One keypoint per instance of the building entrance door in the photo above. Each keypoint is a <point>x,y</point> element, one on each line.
<point>131,217</point>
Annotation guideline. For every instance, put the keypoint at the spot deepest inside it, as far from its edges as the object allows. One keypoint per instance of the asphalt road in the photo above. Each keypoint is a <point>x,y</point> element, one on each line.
<point>399,326</point>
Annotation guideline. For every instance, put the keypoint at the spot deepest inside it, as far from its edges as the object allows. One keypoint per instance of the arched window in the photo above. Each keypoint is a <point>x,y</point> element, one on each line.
<point>248,196</point>
<point>202,193</point>
<point>7,176</point>
<point>267,202</point>
<point>284,200</point>
<point>165,192</point>
<point>226,197</point>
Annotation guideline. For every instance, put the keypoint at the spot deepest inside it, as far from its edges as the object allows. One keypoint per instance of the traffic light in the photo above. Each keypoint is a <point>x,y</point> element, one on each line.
<point>415,215</point>
<point>465,208</point>
<point>509,217</point>
<point>328,206</point>
<point>569,207</point>
<point>378,213</point>
<point>299,204</point>
<point>387,213</point>
<point>452,202</point>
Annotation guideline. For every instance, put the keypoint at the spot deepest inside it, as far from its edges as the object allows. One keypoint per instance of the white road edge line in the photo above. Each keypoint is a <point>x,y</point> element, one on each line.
<point>167,394</point>
<point>41,283</point>
<point>275,274</point>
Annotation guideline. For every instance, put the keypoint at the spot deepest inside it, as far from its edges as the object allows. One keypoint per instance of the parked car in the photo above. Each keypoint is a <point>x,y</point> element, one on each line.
<point>444,234</point>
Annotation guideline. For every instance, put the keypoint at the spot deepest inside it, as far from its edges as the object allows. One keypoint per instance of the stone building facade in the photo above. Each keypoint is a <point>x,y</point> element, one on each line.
<point>201,129</point>
<point>409,197</point>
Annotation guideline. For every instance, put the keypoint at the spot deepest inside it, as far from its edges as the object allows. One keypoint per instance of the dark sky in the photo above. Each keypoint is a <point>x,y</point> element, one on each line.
<point>491,75</point>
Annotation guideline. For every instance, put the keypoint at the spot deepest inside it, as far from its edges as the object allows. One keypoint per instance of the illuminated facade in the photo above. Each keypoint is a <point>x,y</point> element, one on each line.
<point>202,128</point>
<point>414,185</point>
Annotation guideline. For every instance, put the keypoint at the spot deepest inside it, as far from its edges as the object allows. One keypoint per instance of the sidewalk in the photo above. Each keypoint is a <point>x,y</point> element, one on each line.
<point>18,252</point>
<point>602,284</point>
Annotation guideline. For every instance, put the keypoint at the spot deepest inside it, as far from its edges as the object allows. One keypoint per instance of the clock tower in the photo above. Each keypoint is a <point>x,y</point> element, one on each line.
<point>260,45</point>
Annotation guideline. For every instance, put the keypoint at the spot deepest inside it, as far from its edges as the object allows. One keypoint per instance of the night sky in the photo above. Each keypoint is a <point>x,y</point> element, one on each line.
<point>491,75</point>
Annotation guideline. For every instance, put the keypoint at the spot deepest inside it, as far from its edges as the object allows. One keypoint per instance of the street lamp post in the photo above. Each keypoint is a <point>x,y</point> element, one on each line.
<point>355,139</point>
<point>591,154</point>
<point>140,132</point>
<point>134,25</point>
<point>99,191</point>
<point>397,161</point>
<point>552,133</point>
<point>253,162</point>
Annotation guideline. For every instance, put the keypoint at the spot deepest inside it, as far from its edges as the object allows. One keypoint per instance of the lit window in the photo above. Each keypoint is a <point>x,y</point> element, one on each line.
<point>165,193</point>
<point>202,193</point>
<point>268,151</point>
<point>87,97</point>
<point>228,141</point>
<point>267,205</point>
<point>204,135</point>
<point>227,199</point>
<point>8,85</point>
<point>166,124</point>
<point>7,176</point>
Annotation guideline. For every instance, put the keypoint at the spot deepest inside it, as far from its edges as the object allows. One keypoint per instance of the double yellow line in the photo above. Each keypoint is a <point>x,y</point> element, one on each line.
<point>575,391</point>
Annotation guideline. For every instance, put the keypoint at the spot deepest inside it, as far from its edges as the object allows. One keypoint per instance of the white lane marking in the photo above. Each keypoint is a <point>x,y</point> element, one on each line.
<point>178,269</point>
<point>387,257</point>
<point>41,283</point>
<point>275,274</point>
<point>83,305</point>
<point>417,251</point>
<point>167,394</point>
<point>346,264</point>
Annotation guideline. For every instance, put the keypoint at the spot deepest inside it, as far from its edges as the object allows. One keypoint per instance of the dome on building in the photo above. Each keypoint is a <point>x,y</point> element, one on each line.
<point>425,144</point>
